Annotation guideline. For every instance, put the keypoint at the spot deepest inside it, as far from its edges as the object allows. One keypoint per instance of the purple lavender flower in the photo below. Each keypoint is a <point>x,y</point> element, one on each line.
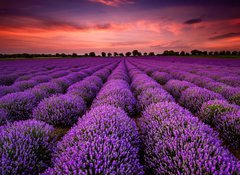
<point>216,87</point>
<point>223,116</point>
<point>24,78</point>
<point>59,74</point>
<point>176,87</point>
<point>23,85</point>
<point>161,77</point>
<point>41,78</point>
<point>212,109</point>
<point>4,90</point>
<point>103,74</point>
<point>122,98</point>
<point>105,141</point>
<point>229,125</point>
<point>86,89</point>
<point>231,94</point>
<point>25,147</point>
<point>18,105</point>
<point>7,79</point>
<point>3,117</point>
<point>63,110</point>
<point>193,98</point>
<point>49,87</point>
<point>175,142</point>
<point>231,80</point>
<point>153,95</point>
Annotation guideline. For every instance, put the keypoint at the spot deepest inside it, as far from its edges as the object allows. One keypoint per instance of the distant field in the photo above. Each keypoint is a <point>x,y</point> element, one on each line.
<point>220,56</point>
<point>170,115</point>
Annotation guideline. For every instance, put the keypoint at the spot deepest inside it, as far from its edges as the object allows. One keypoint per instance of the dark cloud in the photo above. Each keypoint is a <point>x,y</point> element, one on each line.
<point>173,45</point>
<point>227,35</point>
<point>128,43</point>
<point>193,21</point>
<point>44,23</point>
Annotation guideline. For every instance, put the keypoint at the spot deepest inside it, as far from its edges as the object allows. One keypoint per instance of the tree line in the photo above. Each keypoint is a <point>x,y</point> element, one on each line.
<point>134,53</point>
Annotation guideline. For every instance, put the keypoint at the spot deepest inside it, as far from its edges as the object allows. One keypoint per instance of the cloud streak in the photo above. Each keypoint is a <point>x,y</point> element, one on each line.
<point>114,3</point>
<point>224,36</point>
<point>193,21</point>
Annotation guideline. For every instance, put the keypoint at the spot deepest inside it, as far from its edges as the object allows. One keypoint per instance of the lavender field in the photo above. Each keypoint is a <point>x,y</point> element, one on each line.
<point>123,116</point>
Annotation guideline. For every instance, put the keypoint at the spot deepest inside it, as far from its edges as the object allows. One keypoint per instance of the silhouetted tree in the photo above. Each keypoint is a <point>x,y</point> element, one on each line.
<point>196,52</point>
<point>92,54</point>
<point>210,53</point>
<point>170,53</point>
<point>109,54</point>
<point>86,55</point>
<point>115,54</point>
<point>228,53</point>
<point>204,53</point>
<point>234,53</point>
<point>135,52</point>
<point>121,54</point>
<point>151,54</point>
<point>104,54</point>
<point>63,55</point>
<point>74,55</point>
<point>216,53</point>
<point>223,52</point>
<point>145,54</point>
<point>128,54</point>
<point>182,53</point>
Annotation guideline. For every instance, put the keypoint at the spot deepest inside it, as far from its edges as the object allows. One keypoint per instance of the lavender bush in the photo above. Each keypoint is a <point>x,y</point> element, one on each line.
<point>23,85</point>
<point>193,98</point>
<point>225,117</point>
<point>25,147</point>
<point>4,90</point>
<point>175,142</point>
<point>161,77</point>
<point>153,95</point>
<point>212,109</point>
<point>105,141</point>
<point>176,87</point>
<point>63,110</point>
<point>18,105</point>
<point>3,117</point>
<point>122,98</point>
<point>231,80</point>
<point>229,125</point>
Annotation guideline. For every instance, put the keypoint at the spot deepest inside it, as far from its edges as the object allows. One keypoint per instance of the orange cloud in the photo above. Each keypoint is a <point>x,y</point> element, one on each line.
<point>114,3</point>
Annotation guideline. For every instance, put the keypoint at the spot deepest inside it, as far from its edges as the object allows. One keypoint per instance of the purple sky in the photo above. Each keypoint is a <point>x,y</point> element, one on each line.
<point>37,26</point>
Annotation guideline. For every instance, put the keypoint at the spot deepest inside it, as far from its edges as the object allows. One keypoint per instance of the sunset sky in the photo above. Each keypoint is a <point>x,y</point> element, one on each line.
<point>39,26</point>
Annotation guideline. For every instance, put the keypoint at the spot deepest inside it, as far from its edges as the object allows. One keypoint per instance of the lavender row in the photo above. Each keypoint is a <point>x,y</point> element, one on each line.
<point>19,105</point>
<point>26,147</point>
<point>232,94</point>
<point>209,106</point>
<point>227,75</point>
<point>10,78</point>
<point>34,139</point>
<point>146,90</point>
<point>105,140</point>
<point>28,82</point>
<point>116,92</point>
<point>12,70</point>
<point>64,110</point>
<point>176,142</point>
